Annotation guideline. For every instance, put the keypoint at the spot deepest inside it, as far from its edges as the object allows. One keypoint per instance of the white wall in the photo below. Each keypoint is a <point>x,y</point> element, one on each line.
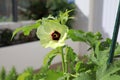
<point>28,55</point>
<point>109,16</point>
<point>101,15</point>
<point>83,5</point>
<point>81,18</point>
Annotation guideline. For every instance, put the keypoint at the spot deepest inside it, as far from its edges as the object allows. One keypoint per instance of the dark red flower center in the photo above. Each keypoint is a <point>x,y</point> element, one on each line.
<point>55,35</point>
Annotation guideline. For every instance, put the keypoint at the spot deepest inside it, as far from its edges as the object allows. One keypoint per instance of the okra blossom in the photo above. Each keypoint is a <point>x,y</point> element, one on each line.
<point>52,34</point>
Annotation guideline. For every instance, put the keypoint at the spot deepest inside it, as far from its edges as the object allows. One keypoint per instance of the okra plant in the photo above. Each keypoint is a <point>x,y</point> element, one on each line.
<point>53,32</point>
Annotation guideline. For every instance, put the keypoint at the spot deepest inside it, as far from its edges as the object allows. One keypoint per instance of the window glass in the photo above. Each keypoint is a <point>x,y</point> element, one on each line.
<point>5,10</point>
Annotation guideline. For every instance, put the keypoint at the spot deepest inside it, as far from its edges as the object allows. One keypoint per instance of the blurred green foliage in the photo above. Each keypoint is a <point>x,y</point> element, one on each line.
<point>42,8</point>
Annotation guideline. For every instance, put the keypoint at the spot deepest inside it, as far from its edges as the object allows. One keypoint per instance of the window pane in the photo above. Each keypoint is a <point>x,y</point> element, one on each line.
<point>22,9</point>
<point>5,10</point>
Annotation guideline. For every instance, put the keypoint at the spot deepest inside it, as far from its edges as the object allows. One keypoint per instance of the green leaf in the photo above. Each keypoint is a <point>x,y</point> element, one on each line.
<point>113,77</point>
<point>71,55</point>
<point>104,45</point>
<point>77,35</point>
<point>114,67</point>
<point>99,57</point>
<point>63,17</point>
<point>84,76</point>
<point>71,58</point>
<point>50,56</point>
<point>26,75</point>
<point>53,75</point>
<point>41,74</point>
<point>117,50</point>
<point>88,37</point>
<point>91,39</point>
<point>2,74</point>
<point>105,71</point>
<point>12,75</point>
<point>26,29</point>
<point>78,66</point>
<point>98,36</point>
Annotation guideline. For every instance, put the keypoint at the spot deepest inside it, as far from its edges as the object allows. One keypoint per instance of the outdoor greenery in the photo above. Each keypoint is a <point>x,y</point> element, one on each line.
<point>4,18</point>
<point>42,8</point>
<point>53,32</point>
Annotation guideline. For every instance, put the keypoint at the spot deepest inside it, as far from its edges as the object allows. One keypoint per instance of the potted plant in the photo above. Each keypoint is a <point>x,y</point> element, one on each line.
<point>53,32</point>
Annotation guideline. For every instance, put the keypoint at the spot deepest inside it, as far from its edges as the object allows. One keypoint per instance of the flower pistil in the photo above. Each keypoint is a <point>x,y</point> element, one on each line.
<point>55,35</point>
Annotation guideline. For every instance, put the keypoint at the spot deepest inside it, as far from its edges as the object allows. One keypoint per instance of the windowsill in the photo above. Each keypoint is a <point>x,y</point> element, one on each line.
<point>14,25</point>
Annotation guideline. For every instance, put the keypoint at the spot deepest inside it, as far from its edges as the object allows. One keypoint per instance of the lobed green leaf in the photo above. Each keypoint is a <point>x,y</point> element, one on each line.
<point>26,29</point>
<point>50,56</point>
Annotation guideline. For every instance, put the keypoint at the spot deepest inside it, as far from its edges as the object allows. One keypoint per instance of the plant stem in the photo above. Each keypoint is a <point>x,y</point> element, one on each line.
<point>66,65</point>
<point>66,61</point>
<point>115,35</point>
<point>63,61</point>
<point>67,77</point>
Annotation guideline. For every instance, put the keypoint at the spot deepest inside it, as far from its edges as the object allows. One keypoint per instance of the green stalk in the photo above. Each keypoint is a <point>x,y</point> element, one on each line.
<point>66,65</point>
<point>67,78</point>
<point>63,61</point>
<point>115,35</point>
<point>66,61</point>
